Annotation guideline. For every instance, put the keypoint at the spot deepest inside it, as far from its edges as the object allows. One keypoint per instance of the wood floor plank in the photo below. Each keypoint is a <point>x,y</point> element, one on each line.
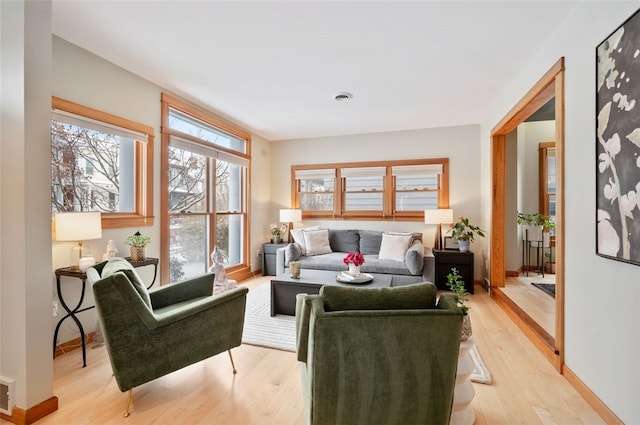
<point>526,389</point>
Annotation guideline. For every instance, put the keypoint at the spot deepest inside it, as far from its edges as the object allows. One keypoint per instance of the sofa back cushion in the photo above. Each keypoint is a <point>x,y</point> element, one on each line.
<point>370,241</point>
<point>298,237</point>
<point>416,296</point>
<point>344,240</point>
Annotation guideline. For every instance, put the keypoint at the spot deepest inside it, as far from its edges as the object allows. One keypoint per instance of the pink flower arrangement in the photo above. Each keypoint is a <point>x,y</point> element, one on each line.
<point>354,257</point>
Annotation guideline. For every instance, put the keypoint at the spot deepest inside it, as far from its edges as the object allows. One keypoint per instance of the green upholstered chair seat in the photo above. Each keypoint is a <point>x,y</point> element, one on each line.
<point>151,334</point>
<point>372,356</point>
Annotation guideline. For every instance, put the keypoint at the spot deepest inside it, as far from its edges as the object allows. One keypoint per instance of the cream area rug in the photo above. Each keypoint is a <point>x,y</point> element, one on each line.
<point>280,331</point>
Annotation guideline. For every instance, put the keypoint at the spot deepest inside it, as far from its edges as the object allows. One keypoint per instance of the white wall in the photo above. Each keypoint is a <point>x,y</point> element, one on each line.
<point>460,144</point>
<point>25,223</point>
<point>602,336</point>
<point>84,78</point>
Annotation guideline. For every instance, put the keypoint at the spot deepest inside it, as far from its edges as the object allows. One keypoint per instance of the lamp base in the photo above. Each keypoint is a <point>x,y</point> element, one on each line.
<point>77,252</point>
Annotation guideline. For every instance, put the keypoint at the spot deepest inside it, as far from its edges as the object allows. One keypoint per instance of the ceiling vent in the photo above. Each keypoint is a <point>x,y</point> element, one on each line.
<point>341,97</point>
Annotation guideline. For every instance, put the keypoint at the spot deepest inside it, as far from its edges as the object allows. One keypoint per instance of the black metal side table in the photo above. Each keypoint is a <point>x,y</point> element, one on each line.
<point>72,312</point>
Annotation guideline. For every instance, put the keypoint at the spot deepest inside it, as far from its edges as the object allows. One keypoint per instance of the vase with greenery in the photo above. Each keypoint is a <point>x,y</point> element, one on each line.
<point>536,219</point>
<point>456,284</point>
<point>137,243</point>
<point>464,232</point>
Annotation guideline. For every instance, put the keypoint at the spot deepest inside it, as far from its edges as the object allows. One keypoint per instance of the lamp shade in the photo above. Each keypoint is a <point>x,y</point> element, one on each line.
<point>438,216</point>
<point>78,226</point>
<point>290,216</point>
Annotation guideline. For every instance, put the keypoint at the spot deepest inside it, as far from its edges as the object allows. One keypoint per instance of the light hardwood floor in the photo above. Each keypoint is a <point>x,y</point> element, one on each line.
<point>536,303</point>
<point>526,389</point>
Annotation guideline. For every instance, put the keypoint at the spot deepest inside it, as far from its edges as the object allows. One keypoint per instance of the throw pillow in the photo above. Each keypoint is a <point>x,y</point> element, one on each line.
<point>292,253</point>
<point>414,258</point>
<point>299,238</point>
<point>317,241</point>
<point>394,246</point>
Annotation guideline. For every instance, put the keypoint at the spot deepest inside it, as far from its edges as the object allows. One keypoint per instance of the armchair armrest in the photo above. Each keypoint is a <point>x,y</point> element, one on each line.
<point>179,292</point>
<point>185,310</point>
<point>303,315</point>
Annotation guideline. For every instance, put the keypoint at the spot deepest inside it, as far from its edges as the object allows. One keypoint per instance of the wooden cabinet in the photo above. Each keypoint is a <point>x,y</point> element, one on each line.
<point>447,260</point>
<point>269,257</point>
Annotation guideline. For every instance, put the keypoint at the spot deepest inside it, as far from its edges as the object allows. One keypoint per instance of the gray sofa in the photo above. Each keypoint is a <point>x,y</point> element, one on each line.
<point>418,264</point>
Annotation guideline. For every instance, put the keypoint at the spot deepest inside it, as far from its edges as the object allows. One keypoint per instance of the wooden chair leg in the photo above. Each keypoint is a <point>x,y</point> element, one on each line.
<point>126,410</point>
<point>232,363</point>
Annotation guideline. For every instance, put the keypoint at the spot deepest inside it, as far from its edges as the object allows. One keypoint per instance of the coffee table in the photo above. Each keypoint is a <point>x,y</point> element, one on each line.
<point>284,288</point>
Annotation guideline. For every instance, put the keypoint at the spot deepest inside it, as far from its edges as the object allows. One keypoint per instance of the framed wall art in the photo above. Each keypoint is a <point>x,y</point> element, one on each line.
<point>618,143</point>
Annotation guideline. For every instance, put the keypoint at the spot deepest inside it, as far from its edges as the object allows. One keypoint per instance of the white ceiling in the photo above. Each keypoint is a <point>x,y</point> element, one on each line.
<point>275,67</point>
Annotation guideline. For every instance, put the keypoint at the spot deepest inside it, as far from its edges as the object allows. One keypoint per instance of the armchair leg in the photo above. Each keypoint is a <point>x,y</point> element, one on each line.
<point>126,411</point>
<point>232,363</point>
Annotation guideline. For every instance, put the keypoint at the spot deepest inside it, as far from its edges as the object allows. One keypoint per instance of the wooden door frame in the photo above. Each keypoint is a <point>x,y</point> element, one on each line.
<point>549,86</point>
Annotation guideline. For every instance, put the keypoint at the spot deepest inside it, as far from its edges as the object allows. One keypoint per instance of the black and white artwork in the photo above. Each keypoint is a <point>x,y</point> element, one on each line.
<point>618,143</point>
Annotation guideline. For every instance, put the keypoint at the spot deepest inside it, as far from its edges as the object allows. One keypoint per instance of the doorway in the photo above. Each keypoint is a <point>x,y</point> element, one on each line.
<point>550,86</point>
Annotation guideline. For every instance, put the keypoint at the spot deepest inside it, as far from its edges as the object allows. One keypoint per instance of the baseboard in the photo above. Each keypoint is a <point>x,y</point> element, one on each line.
<point>73,344</point>
<point>607,415</point>
<point>25,417</point>
<point>511,273</point>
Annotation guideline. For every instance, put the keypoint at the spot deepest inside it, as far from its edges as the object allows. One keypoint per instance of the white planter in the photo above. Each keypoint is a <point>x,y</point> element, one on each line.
<point>531,233</point>
<point>464,246</point>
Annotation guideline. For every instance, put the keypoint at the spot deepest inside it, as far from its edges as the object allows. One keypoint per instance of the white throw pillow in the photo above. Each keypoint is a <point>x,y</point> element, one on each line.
<point>298,238</point>
<point>317,241</point>
<point>394,246</point>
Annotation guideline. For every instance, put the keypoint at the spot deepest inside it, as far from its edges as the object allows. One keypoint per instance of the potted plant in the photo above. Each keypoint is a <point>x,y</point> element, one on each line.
<point>276,232</point>
<point>534,224</point>
<point>550,265</point>
<point>354,260</point>
<point>456,284</point>
<point>464,232</point>
<point>137,243</point>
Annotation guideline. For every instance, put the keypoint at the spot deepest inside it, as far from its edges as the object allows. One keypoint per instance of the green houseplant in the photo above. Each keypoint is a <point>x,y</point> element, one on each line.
<point>465,232</point>
<point>536,219</point>
<point>456,284</point>
<point>137,243</point>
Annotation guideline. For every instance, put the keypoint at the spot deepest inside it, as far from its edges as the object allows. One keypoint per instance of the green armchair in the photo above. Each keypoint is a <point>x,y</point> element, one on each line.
<point>378,355</point>
<point>151,334</point>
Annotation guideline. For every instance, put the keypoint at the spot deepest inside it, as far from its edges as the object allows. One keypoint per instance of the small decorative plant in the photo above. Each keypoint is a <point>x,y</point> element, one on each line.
<point>138,240</point>
<point>536,219</point>
<point>277,230</point>
<point>465,231</point>
<point>456,284</point>
<point>355,258</point>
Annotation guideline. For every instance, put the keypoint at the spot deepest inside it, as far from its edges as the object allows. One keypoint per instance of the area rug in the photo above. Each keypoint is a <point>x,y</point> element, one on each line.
<point>549,288</point>
<point>280,331</point>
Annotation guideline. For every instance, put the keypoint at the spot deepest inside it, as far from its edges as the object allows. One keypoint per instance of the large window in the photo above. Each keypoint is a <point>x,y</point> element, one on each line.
<point>389,190</point>
<point>100,162</point>
<point>206,191</point>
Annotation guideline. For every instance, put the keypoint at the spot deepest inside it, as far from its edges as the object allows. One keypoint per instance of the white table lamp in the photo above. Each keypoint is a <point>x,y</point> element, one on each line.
<point>438,217</point>
<point>78,226</point>
<point>290,216</point>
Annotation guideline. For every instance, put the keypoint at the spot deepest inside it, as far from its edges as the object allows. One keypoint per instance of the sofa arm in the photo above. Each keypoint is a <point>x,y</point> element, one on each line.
<point>280,257</point>
<point>429,267</point>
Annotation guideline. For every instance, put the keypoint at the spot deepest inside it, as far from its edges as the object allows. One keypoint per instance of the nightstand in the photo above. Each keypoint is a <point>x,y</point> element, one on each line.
<point>269,257</point>
<point>448,259</point>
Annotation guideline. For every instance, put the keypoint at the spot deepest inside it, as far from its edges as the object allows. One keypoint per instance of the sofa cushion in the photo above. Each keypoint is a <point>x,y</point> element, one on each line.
<point>394,246</point>
<point>414,257</point>
<point>344,240</point>
<point>298,237</point>
<point>415,296</point>
<point>370,241</point>
<point>292,252</point>
<point>317,241</point>
<point>118,264</point>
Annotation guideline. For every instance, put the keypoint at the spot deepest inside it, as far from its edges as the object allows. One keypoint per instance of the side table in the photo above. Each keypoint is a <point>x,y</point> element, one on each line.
<point>269,257</point>
<point>462,411</point>
<point>72,312</point>
<point>449,259</point>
